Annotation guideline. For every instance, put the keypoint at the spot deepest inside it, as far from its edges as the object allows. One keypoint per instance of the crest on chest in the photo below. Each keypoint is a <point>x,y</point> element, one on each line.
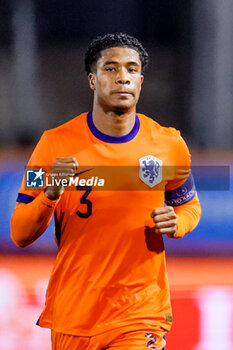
<point>150,171</point>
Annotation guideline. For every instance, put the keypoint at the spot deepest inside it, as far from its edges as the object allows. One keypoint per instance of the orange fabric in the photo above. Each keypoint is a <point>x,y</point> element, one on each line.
<point>109,271</point>
<point>122,338</point>
<point>188,216</point>
<point>30,221</point>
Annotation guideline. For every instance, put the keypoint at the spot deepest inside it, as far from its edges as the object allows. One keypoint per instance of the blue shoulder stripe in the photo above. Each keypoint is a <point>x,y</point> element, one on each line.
<point>181,195</point>
<point>24,198</point>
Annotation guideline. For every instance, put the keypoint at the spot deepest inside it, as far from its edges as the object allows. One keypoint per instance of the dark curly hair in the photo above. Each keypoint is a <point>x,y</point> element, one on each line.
<point>93,52</point>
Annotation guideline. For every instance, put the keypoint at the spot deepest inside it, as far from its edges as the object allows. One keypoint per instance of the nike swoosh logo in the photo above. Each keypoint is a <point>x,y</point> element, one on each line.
<point>82,172</point>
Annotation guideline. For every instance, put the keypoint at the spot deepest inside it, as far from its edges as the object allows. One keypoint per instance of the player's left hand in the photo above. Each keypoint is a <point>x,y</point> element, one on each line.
<point>165,221</point>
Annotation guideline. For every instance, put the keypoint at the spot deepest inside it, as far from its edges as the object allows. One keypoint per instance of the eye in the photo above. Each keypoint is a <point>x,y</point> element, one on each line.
<point>132,70</point>
<point>110,69</point>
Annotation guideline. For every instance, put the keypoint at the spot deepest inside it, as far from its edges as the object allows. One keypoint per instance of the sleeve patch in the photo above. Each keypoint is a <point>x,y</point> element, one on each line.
<point>24,198</point>
<point>181,195</point>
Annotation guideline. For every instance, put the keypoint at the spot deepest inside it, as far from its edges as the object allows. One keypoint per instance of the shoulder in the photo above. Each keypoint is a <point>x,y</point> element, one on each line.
<point>166,139</point>
<point>68,128</point>
<point>66,139</point>
<point>152,127</point>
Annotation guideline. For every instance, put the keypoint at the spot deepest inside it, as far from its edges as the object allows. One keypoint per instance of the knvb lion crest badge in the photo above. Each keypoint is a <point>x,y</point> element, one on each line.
<point>150,170</point>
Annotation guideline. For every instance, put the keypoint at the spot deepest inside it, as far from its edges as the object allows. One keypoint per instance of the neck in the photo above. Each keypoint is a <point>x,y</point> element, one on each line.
<point>113,123</point>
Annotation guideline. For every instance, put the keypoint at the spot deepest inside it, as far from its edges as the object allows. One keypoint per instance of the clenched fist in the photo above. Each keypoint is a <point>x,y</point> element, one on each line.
<point>63,168</point>
<point>165,221</point>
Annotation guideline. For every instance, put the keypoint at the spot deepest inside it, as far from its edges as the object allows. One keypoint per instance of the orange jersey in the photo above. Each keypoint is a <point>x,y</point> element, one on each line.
<point>110,268</point>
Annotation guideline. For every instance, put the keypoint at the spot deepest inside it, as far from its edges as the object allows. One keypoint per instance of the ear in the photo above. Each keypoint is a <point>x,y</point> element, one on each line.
<point>142,79</point>
<point>91,79</point>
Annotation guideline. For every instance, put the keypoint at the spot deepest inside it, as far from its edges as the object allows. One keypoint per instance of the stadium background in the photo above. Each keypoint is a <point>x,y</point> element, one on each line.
<point>188,85</point>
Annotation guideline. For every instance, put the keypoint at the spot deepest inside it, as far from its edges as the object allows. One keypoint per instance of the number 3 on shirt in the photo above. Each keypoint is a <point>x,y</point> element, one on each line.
<point>84,200</point>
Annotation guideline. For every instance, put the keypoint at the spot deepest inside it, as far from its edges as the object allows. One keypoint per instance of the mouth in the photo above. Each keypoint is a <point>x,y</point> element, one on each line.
<point>122,93</point>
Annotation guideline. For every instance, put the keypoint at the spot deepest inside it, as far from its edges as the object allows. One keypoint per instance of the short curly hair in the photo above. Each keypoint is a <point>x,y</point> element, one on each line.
<point>93,52</point>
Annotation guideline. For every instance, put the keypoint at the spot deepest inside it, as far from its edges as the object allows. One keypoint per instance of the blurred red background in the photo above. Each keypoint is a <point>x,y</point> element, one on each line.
<point>201,293</point>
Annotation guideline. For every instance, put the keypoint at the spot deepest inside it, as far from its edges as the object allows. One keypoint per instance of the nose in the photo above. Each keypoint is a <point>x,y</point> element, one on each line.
<point>122,77</point>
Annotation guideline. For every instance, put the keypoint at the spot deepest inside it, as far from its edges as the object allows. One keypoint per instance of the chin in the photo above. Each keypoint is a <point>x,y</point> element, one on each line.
<point>122,108</point>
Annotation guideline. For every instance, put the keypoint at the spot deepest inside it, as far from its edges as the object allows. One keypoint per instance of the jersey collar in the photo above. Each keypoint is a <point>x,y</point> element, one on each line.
<point>112,139</point>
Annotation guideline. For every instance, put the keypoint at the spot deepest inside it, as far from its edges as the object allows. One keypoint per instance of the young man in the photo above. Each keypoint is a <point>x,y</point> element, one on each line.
<point>109,288</point>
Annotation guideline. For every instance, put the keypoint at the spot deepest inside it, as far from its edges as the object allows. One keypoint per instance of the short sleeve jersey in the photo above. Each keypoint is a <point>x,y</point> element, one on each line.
<point>110,268</point>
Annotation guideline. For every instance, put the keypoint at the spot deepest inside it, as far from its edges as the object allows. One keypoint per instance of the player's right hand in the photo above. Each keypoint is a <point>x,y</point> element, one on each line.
<point>62,168</point>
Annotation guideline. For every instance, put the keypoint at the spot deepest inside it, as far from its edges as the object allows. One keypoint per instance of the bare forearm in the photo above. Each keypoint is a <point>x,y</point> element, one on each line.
<point>29,221</point>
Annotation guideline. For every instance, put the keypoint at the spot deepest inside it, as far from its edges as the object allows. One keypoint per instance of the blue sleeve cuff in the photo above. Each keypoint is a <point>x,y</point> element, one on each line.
<point>24,198</point>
